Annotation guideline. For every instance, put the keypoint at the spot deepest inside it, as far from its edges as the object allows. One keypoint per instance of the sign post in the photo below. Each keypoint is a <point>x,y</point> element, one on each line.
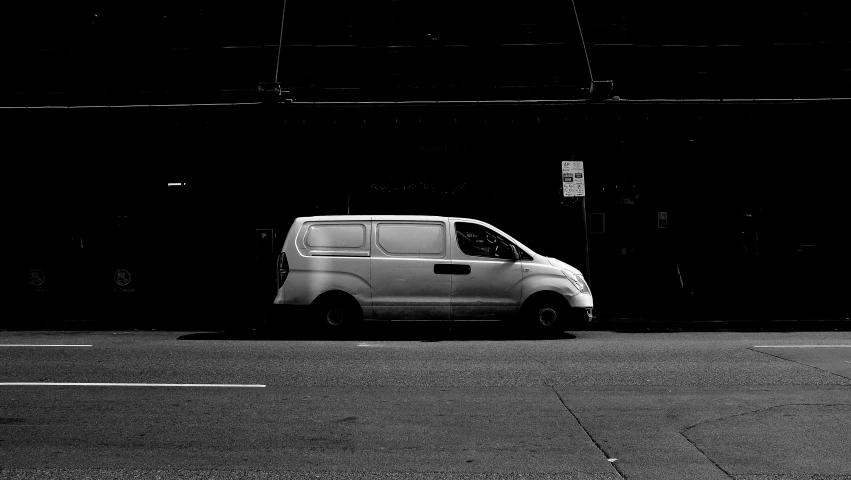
<point>573,185</point>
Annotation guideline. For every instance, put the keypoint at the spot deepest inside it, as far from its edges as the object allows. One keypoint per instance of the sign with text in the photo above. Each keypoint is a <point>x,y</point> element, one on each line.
<point>573,179</point>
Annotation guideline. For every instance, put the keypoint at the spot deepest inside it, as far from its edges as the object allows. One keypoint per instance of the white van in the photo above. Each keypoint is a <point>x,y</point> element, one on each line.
<point>351,268</point>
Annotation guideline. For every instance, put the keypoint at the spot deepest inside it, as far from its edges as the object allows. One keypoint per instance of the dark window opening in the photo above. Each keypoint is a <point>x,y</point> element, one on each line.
<point>478,241</point>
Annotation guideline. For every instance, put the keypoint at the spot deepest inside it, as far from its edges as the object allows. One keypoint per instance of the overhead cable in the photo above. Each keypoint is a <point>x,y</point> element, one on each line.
<point>280,40</point>
<point>583,41</point>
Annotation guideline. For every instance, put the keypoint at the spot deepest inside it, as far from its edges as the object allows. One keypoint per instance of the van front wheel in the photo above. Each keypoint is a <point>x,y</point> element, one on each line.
<point>546,317</point>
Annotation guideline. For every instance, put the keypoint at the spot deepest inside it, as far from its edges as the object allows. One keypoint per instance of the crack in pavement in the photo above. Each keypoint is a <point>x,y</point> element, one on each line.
<point>596,444</point>
<point>713,462</point>
<point>550,383</point>
<point>602,450</point>
<point>703,422</point>
<point>683,431</point>
<point>799,363</point>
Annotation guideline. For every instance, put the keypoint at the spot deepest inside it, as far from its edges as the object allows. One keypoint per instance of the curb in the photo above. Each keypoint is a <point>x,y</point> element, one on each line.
<point>619,324</point>
<point>721,324</point>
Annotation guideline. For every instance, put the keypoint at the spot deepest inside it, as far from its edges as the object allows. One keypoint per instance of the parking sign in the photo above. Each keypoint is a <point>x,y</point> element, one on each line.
<point>573,179</point>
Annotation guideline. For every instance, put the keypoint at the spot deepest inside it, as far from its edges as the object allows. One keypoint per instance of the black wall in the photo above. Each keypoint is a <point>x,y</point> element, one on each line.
<point>192,251</point>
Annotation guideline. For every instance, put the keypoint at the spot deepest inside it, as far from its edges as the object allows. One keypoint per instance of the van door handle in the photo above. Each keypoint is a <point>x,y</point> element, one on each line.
<point>461,269</point>
<point>450,269</point>
<point>443,268</point>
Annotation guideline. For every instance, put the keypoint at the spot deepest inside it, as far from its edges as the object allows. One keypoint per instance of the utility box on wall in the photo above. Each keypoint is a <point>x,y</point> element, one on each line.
<point>264,268</point>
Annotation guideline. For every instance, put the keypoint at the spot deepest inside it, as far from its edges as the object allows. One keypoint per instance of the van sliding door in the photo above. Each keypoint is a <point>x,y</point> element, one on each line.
<point>407,278</point>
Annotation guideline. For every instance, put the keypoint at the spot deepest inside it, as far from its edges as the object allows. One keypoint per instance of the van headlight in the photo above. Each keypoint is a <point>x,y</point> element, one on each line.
<point>577,281</point>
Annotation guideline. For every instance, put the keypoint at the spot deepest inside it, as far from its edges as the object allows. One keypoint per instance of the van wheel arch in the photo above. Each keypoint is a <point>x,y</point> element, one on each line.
<point>545,311</point>
<point>336,310</point>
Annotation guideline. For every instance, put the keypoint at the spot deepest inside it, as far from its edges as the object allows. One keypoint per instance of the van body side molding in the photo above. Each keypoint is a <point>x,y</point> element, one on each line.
<point>451,269</point>
<point>337,253</point>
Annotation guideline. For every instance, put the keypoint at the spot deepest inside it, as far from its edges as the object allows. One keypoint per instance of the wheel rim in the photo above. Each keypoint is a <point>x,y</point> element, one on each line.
<point>547,316</point>
<point>335,316</point>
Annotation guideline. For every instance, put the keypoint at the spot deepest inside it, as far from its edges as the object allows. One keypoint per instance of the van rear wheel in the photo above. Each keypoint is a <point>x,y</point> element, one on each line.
<point>337,315</point>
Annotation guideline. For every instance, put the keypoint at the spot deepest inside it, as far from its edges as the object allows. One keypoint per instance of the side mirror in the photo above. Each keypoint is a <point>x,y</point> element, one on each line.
<point>514,253</point>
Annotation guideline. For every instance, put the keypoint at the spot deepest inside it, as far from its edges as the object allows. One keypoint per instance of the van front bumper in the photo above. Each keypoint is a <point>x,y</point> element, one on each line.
<point>581,300</point>
<point>582,307</point>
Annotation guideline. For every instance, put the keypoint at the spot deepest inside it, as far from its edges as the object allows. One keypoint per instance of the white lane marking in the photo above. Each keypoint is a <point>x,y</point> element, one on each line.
<point>801,346</point>
<point>64,384</point>
<point>368,345</point>
<point>37,345</point>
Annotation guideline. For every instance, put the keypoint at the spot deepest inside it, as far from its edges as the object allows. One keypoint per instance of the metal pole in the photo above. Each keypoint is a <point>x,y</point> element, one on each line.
<point>587,258</point>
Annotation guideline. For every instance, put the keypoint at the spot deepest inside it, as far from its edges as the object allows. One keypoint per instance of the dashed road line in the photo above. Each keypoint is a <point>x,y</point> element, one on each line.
<point>100,384</point>
<point>801,346</point>
<point>39,345</point>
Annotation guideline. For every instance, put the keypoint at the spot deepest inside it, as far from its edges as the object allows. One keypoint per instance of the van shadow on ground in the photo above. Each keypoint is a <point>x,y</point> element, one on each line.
<point>388,331</point>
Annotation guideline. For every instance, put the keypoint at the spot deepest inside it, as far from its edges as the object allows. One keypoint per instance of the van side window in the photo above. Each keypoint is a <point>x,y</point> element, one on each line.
<point>478,241</point>
<point>411,239</point>
<point>335,236</point>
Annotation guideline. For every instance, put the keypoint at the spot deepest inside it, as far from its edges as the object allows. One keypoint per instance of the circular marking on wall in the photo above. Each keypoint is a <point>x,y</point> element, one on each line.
<point>121,277</point>
<point>36,277</point>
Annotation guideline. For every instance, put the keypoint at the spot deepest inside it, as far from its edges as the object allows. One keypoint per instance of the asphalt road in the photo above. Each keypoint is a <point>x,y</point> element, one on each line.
<point>426,402</point>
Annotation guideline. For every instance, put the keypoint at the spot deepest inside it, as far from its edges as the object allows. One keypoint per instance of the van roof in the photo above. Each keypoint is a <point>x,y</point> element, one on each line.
<point>361,218</point>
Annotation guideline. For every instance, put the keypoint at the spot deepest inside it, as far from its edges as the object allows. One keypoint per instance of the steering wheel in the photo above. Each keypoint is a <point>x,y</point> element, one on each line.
<point>492,242</point>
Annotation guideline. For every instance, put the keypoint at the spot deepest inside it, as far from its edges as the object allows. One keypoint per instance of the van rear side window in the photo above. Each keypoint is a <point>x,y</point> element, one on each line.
<point>335,236</point>
<point>411,239</point>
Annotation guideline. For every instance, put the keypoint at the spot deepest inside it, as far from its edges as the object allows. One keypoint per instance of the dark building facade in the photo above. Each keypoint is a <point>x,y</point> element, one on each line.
<point>706,198</point>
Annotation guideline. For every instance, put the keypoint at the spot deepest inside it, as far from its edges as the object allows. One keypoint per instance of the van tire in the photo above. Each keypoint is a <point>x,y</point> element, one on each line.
<point>545,317</point>
<point>337,314</point>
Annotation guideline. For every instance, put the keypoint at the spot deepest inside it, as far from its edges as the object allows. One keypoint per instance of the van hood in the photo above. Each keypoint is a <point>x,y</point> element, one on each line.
<point>562,266</point>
